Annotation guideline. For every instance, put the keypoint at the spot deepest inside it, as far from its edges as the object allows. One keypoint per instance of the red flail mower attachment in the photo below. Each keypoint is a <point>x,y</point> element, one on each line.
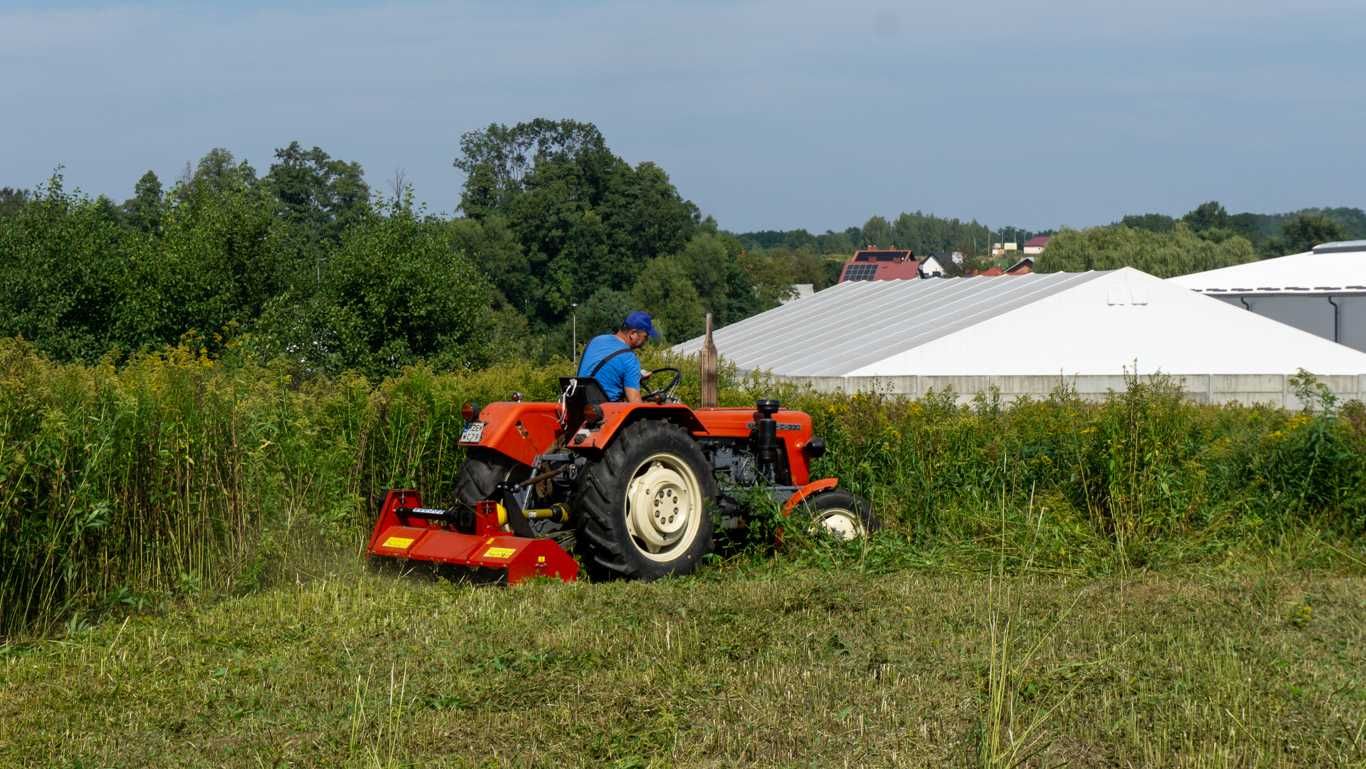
<point>406,529</point>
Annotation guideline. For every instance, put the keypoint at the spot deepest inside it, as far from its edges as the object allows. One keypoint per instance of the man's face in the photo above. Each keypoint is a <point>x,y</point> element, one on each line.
<point>637,338</point>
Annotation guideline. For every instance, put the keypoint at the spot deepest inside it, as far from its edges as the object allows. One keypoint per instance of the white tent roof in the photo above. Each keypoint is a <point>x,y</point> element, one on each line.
<point>1331,267</point>
<point>1049,324</point>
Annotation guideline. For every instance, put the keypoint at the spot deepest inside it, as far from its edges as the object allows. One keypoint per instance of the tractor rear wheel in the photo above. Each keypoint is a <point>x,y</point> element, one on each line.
<point>483,470</point>
<point>642,507</point>
<point>842,515</point>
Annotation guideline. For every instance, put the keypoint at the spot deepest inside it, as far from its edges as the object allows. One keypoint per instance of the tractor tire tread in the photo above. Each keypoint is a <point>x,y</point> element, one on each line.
<point>483,470</point>
<point>602,541</point>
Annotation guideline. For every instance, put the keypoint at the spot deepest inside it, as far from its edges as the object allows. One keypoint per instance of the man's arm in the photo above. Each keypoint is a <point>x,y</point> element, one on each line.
<point>630,385</point>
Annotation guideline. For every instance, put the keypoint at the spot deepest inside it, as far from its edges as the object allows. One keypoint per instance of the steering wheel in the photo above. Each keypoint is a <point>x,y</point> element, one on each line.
<point>663,394</point>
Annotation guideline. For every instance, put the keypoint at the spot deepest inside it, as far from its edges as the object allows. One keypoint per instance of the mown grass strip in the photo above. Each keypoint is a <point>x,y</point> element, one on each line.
<point>787,667</point>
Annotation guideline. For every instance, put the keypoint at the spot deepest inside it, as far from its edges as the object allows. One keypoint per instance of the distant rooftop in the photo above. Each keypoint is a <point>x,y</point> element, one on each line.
<point>1329,268</point>
<point>1058,324</point>
<point>1341,246</point>
<point>875,263</point>
<point>857,323</point>
<point>875,254</point>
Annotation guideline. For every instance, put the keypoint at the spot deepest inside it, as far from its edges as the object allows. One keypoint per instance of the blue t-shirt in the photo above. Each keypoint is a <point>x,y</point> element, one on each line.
<point>621,372</point>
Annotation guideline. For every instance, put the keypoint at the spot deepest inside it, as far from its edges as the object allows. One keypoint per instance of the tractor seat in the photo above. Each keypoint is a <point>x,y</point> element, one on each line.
<point>577,392</point>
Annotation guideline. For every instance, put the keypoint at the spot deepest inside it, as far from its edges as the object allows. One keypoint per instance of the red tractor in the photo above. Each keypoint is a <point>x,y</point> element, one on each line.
<point>633,489</point>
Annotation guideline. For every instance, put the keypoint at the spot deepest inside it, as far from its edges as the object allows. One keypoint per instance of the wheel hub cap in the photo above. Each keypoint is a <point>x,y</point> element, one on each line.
<point>663,506</point>
<point>841,524</point>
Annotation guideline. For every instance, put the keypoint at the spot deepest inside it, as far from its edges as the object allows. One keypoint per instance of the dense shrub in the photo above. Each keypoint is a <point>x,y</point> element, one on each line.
<point>175,473</point>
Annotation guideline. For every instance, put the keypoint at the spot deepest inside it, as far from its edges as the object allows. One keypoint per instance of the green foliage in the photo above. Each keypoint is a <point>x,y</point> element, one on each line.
<point>771,275</point>
<point>583,218</point>
<point>927,234</point>
<point>666,290</point>
<point>829,242</point>
<point>604,312</point>
<point>1149,222</point>
<point>144,210</point>
<point>298,264</point>
<point>397,292</point>
<point>179,473</point>
<point>176,471</point>
<point>714,265</point>
<point>1275,234</point>
<point>62,263</point>
<point>1178,252</point>
<point>1207,216</point>
<point>217,171</point>
<point>12,200</point>
<point>1305,231</point>
<point>216,258</point>
<point>878,232</point>
<point>319,196</point>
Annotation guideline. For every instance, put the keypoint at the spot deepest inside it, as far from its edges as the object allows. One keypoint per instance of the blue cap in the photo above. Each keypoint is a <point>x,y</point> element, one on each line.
<point>640,321</point>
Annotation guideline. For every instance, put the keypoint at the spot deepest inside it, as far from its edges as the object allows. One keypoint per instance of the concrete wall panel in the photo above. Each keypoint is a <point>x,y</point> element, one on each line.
<point>1248,389</point>
<point>1352,321</point>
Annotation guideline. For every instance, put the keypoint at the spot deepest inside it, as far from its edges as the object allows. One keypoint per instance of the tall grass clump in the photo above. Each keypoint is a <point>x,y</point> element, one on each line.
<point>1144,475</point>
<point>176,474</point>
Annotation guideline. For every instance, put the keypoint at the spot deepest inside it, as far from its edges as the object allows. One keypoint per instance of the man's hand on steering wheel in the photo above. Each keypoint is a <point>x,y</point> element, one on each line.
<point>662,394</point>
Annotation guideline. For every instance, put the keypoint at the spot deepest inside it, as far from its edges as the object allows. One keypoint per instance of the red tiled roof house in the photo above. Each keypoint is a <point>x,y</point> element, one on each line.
<point>881,264</point>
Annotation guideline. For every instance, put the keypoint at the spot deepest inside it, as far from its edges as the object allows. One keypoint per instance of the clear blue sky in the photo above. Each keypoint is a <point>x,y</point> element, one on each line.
<point>766,114</point>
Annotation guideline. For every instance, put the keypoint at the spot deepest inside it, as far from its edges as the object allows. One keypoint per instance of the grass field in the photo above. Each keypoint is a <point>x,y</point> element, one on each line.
<point>752,665</point>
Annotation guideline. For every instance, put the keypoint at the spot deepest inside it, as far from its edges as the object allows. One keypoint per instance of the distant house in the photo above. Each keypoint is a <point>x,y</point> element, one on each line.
<point>1023,267</point>
<point>875,263</point>
<point>1035,245</point>
<point>1001,249</point>
<point>931,268</point>
<point>799,291</point>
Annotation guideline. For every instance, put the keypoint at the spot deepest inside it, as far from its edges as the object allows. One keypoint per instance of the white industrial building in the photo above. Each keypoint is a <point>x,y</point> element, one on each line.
<point>1321,291</point>
<point>1027,335</point>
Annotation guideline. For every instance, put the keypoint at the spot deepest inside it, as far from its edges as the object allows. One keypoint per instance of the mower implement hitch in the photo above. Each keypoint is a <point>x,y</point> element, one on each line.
<point>407,530</point>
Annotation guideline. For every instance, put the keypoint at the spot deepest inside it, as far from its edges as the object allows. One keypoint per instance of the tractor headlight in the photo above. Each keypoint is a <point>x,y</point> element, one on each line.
<point>470,411</point>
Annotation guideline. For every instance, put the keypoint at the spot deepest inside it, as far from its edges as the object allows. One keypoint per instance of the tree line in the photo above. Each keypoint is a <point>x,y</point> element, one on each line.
<point>555,233</point>
<point>1205,238</point>
<point>307,263</point>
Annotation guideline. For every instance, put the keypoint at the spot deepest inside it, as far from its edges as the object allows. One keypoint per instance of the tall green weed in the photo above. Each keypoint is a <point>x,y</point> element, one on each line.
<point>177,474</point>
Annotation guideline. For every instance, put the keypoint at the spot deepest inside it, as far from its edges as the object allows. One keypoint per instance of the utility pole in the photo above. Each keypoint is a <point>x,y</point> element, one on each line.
<point>574,324</point>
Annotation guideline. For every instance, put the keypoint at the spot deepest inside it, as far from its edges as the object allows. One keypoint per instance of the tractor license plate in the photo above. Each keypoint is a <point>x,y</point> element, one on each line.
<point>474,431</point>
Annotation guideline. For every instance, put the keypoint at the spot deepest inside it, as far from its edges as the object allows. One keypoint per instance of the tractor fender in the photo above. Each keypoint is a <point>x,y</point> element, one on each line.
<point>616,416</point>
<point>518,430</point>
<point>812,488</point>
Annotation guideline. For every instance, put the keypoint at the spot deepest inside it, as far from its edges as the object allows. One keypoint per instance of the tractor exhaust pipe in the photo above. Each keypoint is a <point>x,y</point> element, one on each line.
<point>763,438</point>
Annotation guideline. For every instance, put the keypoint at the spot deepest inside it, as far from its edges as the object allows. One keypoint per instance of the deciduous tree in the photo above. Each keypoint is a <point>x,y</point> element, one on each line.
<point>1305,231</point>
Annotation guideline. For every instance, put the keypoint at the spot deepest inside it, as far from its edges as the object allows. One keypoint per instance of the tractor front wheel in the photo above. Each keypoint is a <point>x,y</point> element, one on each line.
<point>642,507</point>
<point>840,514</point>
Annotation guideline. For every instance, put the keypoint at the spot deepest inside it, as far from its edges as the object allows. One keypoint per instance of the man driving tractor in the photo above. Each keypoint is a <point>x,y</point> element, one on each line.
<point>628,489</point>
<point>611,358</point>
